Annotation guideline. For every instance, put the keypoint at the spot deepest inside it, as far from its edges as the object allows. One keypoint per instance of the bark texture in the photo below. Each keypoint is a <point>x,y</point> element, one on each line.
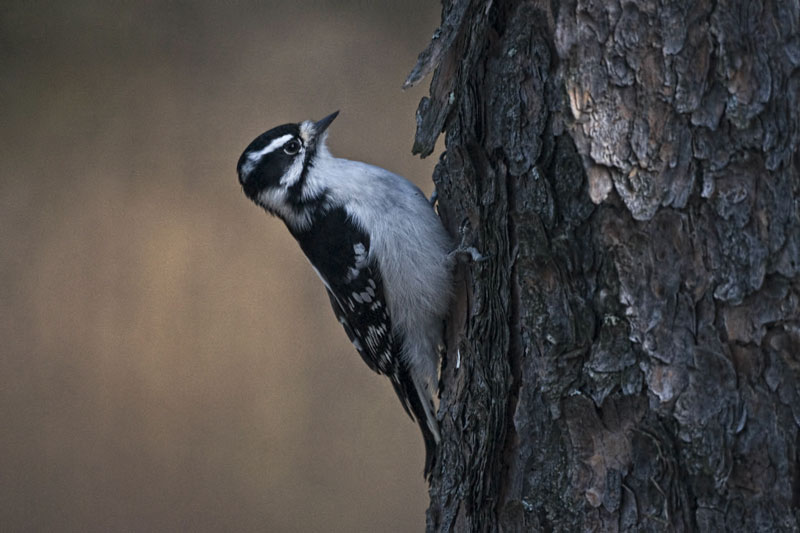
<point>629,357</point>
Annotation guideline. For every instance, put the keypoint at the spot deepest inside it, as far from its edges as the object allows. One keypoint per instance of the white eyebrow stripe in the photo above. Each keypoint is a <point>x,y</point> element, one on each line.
<point>270,147</point>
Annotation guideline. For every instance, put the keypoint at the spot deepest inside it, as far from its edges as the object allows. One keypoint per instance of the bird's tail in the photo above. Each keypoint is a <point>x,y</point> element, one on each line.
<point>426,418</point>
<point>418,402</point>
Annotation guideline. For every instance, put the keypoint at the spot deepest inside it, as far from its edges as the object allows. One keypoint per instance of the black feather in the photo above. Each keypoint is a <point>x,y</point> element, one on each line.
<point>339,251</point>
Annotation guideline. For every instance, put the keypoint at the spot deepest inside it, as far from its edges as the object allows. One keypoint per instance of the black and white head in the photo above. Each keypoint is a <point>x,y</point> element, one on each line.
<point>274,169</point>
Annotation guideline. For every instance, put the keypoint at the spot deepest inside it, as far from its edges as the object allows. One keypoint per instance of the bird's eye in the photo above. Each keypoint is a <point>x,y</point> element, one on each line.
<point>291,147</point>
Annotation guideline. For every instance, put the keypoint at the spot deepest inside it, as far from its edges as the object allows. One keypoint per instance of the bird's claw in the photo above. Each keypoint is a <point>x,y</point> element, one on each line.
<point>465,252</point>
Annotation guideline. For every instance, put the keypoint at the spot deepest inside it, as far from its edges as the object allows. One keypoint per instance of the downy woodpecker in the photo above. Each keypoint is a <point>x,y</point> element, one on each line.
<point>377,245</point>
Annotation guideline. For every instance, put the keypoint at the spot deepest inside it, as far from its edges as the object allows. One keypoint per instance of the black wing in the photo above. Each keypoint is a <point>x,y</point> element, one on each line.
<point>339,251</point>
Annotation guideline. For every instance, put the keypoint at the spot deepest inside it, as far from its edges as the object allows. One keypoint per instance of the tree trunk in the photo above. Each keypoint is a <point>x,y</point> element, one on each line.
<point>629,357</point>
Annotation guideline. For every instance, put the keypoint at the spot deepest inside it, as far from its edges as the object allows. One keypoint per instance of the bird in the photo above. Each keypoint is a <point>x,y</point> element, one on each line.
<point>379,247</point>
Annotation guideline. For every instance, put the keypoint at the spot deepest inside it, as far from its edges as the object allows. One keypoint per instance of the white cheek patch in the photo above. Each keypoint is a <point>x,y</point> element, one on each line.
<point>294,172</point>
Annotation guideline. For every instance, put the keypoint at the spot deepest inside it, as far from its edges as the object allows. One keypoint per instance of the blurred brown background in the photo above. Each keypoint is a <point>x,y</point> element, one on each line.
<point>169,360</point>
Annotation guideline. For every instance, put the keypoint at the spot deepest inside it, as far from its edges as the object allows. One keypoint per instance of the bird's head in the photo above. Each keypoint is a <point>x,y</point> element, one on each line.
<point>273,169</point>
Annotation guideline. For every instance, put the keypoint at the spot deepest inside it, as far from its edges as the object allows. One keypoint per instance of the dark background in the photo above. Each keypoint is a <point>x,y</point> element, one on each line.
<point>169,359</point>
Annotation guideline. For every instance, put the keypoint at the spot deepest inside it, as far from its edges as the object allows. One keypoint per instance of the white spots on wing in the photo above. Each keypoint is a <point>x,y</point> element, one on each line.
<point>374,336</point>
<point>375,305</point>
<point>360,261</point>
<point>371,283</point>
<point>364,297</point>
<point>360,254</point>
<point>352,274</point>
<point>357,344</point>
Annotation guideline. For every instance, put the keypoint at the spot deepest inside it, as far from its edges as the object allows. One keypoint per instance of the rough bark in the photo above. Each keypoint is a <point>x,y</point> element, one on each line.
<point>629,357</point>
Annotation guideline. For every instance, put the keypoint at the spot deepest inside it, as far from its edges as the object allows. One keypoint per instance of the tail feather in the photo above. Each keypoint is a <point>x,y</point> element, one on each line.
<point>423,412</point>
<point>419,405</point>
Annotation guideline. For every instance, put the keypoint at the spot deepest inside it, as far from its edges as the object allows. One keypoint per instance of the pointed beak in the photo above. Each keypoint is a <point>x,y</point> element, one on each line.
<point>322,125</point>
